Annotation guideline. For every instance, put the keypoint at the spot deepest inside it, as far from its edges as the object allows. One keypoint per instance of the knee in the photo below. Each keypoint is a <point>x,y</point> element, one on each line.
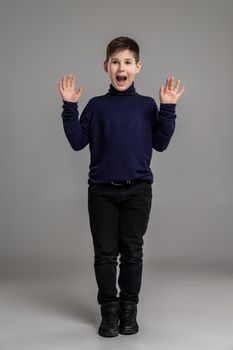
<point>131,248</point>
<point>134,256</point>
<point>106,258</point>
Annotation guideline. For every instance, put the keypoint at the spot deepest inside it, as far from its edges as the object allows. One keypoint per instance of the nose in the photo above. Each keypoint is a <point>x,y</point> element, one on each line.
<point>121,66</point>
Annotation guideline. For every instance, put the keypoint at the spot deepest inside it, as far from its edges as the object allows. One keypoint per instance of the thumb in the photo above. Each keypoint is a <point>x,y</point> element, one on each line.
<point>80,91</point>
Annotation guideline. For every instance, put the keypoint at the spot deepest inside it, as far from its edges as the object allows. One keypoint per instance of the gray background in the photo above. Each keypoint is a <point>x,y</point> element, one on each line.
<point>44,217</point>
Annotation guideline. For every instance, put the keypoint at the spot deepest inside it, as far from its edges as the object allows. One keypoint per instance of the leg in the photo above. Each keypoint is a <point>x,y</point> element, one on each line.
<point>133,222</point>
<point>104,220</point>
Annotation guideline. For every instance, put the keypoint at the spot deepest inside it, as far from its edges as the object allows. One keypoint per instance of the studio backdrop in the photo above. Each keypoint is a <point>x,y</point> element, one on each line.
<point>44,214</point>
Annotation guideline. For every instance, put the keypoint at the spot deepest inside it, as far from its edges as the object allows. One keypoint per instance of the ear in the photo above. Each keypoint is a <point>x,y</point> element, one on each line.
<point>138,66</point>
<point>106,66</point>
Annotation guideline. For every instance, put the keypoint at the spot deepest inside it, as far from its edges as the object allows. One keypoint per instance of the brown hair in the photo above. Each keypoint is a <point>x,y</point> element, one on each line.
<point>122,43</point>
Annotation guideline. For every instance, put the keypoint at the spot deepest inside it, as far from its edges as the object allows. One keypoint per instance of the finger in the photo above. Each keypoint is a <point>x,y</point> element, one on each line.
<point>171,87</point>
<point>73,81</point>
<point>81,88</point>
<point>69,81</point>
<point>80,91</point>
<point>167,82</point>
<point>65,82</point>
<point>162,88</point>
<point>61,86</point>
<point>177,85</point>
<point>181,91</point>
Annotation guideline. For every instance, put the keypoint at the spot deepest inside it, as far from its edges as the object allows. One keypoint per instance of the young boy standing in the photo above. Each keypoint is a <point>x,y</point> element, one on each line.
<point>122,128</point>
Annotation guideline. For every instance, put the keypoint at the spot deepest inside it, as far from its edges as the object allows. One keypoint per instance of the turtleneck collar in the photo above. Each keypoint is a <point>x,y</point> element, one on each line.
<point>130,91</point>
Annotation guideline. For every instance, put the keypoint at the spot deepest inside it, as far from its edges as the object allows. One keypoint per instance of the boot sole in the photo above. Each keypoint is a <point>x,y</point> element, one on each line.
<point>121,331</point>
<point>108,335</point>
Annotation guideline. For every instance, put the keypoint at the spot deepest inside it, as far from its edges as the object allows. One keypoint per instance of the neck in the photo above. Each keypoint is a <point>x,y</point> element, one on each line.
<point>129,91</point>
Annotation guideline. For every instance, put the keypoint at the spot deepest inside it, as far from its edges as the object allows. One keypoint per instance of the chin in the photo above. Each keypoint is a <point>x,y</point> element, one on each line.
<point>121,87</point>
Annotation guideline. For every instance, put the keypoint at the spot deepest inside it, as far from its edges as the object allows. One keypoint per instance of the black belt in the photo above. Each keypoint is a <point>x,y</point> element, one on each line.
<point>126,182</point>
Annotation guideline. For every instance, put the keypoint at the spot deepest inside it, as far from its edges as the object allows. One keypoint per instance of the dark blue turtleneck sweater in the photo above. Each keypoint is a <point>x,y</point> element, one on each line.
<point>122,128</point>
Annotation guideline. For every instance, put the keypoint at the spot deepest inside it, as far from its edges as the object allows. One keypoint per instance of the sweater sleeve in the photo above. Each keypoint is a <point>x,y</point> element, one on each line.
<point>76,130</point>
<point>163,125</point>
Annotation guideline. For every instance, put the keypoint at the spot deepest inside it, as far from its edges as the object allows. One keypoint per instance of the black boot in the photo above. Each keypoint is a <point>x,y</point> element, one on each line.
<point>110,312</point>
<point>128,322</point>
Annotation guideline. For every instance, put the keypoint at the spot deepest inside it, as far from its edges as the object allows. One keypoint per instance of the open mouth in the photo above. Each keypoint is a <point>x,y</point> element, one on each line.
<point>121,78</point>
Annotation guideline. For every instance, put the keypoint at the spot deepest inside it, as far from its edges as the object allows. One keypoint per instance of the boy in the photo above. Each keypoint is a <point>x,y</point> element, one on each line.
<point>122,128</point>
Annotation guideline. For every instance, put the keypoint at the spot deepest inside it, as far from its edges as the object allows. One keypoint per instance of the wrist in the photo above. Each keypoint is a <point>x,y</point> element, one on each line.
<point>167,105</point>
<point>69,102</point>
<point>168,109</point>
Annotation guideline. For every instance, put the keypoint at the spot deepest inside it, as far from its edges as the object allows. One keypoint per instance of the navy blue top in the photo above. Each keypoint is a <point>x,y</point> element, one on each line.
<point>122,128</point>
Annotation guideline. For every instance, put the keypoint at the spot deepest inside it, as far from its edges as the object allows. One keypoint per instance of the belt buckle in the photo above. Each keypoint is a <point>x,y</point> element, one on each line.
<point>118,184</point>
<point>115,183</point>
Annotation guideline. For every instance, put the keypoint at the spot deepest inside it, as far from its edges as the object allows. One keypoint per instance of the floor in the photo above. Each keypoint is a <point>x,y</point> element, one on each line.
<point>179,309</point>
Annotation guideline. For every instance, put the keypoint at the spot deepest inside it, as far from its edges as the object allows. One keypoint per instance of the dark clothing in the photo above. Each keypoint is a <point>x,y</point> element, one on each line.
<point>118,219</point>
<point>122,128</point>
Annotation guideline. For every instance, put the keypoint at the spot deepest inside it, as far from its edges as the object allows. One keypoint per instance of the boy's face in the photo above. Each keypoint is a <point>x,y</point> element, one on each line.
<point>122,68</point>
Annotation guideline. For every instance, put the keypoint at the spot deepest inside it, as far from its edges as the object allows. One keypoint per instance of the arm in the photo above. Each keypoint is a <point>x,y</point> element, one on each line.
<point>76,130</point>
<point>163,125</point>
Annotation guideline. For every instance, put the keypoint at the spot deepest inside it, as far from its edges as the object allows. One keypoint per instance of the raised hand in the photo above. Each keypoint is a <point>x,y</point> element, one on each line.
<point>67,89</point>
<point>169,93</point>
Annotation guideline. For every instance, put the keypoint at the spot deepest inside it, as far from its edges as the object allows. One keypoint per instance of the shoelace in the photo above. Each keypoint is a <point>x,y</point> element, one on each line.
<point>129,314</point>
<point>111,316</point>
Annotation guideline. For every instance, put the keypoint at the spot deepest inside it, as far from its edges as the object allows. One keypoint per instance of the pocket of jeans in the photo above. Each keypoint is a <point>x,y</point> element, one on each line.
<point>92,187</point>
<point>143,187</point>
<point>147,188</point>
<point>95,189</point>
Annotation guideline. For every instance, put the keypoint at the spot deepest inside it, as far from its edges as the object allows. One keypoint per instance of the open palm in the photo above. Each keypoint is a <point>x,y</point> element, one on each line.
<point>169,93</point>
<point>67,89</point>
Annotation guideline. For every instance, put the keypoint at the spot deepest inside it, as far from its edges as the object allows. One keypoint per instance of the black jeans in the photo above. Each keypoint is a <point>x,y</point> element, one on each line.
<point>119,218</point>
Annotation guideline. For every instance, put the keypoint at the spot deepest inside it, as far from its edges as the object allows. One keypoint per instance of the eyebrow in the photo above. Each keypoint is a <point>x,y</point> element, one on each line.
<point>127,59</point>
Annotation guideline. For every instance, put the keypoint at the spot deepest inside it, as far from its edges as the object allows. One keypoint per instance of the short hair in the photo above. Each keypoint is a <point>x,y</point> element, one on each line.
<point>122,43</point>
